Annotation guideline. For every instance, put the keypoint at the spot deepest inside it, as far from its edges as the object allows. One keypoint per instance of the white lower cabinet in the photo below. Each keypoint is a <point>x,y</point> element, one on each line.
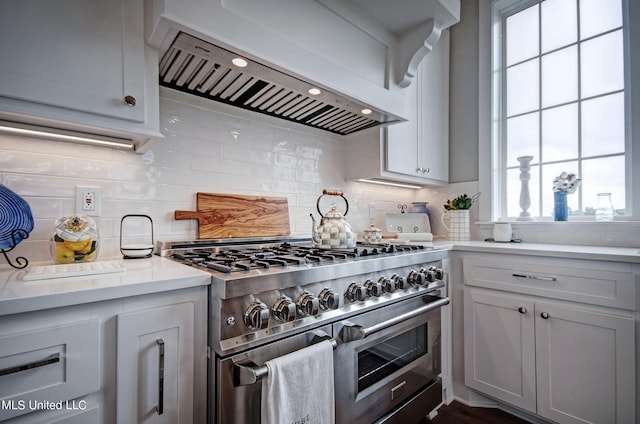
<point>44,368</point>
<point>140,359</point>
<point>567,362</point>
<point>155,365</point>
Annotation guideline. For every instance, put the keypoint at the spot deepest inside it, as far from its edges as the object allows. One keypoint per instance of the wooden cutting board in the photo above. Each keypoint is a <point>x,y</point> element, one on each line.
<point>233,215</point>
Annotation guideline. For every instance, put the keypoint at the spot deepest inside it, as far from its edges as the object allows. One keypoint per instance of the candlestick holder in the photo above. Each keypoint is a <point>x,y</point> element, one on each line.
<point>525,198</point>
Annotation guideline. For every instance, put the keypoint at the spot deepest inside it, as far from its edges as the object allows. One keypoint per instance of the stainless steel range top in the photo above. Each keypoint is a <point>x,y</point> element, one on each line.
<point>265,289</point>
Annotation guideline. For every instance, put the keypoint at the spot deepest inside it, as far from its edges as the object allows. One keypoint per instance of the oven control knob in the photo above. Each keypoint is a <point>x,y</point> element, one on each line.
<point>401,282</point>
<point>356,292</point>
<point>257,316</point>
<point>329,299</point>
<point>308,304</point>
<point>439,272</point>
<point>415,278</point>
<point>388,285</point>
<point>429,274</point>
<point>284,310</point>
<point>374,288</point>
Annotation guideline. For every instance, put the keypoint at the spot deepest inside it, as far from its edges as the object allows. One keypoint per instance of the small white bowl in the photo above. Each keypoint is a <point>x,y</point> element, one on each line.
<point>136,250</point>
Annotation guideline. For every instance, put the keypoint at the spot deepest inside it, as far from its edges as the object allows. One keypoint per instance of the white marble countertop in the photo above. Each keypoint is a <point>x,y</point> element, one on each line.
<point>156,274</point>
<point>142,276</point>
<point>598,253</point>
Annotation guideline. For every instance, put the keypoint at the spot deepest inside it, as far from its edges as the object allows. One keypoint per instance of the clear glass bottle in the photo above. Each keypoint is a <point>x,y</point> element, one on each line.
<point>604,207</point>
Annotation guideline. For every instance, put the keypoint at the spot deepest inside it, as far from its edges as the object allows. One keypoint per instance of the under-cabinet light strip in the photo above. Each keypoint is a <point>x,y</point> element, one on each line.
<point>389,183</point>
<point>28,130</point>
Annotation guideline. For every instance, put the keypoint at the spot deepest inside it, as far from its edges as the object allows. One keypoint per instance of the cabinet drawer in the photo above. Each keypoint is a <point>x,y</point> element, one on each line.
<point>592,282</point>
<point>48,365</point>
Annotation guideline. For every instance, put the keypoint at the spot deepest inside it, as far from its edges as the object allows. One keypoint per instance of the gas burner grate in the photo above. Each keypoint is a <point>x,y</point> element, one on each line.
<point>234,259</point>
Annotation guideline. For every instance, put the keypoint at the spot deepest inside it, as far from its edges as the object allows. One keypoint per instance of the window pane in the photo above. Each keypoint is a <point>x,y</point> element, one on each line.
<point>597,16</point>
<point>560,77</point>
<point>549,173</point>
<point>514,187</point>
<point>603,175</point>
<point>522,138</point>
<point>602,64</point>
<point>603,125</point>
<point>560,133</point>
<point>559,21</point>
<point>522,88</point>
<point>522,35</point>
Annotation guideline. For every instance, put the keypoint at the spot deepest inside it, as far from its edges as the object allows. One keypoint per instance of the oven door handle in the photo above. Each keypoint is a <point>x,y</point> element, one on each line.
<point>250,373</point>
<point>351,332</point>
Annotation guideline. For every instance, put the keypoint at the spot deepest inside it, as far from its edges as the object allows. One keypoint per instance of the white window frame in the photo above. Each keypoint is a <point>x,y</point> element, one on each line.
<point>490,127</point>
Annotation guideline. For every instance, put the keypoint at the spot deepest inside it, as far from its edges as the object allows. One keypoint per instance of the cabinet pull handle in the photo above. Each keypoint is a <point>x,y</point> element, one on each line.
<point>544,315</point>
<point>535,277</point>
<point>522,310</point>
<point>160,407</point>
<point>51,359</point>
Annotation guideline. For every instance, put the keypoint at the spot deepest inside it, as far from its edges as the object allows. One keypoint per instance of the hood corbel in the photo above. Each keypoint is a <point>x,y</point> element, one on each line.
<point>412,48</point>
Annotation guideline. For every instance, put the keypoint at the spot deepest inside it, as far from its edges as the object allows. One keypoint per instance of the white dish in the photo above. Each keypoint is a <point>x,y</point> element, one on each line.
<point>136,250</point>
<point>415,236</point>
<point>427,244</point>
<point>407,223</point>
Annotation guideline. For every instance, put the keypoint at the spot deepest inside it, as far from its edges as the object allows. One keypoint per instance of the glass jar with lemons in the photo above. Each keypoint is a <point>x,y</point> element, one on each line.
<point>75,239</point>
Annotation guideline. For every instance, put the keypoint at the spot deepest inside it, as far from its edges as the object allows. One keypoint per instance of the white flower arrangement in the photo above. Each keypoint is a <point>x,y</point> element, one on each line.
<point>568,183</point>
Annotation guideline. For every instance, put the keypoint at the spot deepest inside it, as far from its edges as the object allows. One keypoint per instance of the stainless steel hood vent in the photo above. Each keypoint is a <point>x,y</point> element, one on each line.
<point>197,67</point>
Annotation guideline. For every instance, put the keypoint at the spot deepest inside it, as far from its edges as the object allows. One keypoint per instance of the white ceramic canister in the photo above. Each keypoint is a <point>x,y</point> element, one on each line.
<point>502,232</point>
<point>459,227</point>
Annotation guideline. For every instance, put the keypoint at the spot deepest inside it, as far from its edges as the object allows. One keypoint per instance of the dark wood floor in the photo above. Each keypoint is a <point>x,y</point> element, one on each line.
<point>458,413</point>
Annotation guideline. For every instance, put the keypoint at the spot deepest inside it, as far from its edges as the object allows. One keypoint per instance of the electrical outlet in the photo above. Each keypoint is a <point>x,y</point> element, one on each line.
<point>372,212</point>
<point>88,200</point>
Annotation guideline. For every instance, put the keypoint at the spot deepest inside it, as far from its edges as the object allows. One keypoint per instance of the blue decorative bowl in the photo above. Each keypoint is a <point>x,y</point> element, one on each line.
<point>16,220</point>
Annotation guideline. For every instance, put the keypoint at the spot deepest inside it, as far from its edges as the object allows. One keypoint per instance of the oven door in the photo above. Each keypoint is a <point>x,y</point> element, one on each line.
<point>388,361</point>
<point>238,388</point>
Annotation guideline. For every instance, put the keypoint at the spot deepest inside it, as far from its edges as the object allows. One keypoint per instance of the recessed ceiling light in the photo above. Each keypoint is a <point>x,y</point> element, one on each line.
<point>239,62</point>
<point>314,91</point>
<point>366,111</point>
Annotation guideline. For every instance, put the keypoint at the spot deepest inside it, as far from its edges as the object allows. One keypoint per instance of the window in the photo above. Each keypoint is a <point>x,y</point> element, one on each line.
<point>561,99</point>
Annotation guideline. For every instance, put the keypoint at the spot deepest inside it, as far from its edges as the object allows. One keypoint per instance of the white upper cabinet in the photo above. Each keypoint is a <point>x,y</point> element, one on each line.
<point>416,151</point>
<point>419,148</point>
<point>80,65</point>
<point>366,50</point>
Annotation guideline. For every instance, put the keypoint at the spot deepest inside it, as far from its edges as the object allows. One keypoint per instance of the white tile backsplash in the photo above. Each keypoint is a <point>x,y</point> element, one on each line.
<point>207,148</point>
<point>212,148</point>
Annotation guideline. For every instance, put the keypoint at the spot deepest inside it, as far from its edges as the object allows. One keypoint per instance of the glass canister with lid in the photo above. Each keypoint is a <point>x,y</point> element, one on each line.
<point>75,239</point>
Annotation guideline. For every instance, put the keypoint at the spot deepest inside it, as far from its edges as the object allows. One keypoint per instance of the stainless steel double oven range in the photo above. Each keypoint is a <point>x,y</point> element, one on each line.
<point>379,304</point>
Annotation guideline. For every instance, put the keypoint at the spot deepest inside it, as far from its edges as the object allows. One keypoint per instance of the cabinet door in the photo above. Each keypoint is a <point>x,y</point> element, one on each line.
<point>401,140</point>
<point>420,147</point>
<point>155,357</point>
<point>74,54</point>
<point>433,112</point>
<point>499,347</point>
<point>585,365</point>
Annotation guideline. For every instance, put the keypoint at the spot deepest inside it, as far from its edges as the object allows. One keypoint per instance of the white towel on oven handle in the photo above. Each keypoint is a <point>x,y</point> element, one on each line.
<point>299,387</point>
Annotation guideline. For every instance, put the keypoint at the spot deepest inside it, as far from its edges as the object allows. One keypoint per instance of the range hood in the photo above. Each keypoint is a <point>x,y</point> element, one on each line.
<point>203,69</point>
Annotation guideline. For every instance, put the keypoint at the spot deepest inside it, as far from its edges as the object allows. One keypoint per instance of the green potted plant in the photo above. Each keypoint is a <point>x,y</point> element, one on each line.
<point>461,202</point>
